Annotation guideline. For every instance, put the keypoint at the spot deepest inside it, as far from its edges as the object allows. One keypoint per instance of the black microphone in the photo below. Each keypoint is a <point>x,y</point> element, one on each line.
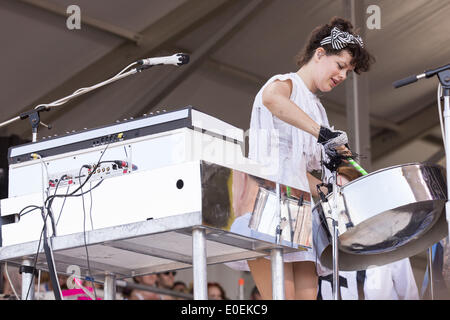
<point>406,81</point>
<point>426,74</point>
<point>177,59</point>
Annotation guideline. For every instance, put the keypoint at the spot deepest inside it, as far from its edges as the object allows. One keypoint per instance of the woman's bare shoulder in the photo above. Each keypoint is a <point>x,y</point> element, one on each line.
<point>279,87</point>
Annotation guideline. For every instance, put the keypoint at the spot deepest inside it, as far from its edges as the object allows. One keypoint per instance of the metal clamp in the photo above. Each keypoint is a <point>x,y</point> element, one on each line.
<point>28,269</point>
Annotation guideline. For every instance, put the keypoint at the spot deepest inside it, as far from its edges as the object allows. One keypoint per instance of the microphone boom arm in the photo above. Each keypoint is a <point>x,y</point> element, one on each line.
<point>426,74</point>
<point>34,116</point>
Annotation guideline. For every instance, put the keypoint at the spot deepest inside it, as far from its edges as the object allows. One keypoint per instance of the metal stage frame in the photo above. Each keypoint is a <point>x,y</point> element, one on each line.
<point>156,245</point>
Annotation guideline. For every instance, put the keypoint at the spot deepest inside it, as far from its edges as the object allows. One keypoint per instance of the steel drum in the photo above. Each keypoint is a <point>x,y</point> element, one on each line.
<point>383,217</point>
<point>295,219</point>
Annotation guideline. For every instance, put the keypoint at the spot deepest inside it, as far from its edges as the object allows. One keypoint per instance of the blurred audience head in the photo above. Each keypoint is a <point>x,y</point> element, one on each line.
<point>180,286</point>
<point>216,292</point>
<point>166,279</point>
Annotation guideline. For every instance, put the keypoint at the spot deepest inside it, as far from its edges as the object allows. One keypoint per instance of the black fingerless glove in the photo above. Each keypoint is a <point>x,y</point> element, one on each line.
<point>325,134</point>
<point>330,139</point>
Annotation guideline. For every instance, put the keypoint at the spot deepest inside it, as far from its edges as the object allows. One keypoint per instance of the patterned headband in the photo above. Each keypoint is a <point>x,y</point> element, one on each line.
<point>340,39</point>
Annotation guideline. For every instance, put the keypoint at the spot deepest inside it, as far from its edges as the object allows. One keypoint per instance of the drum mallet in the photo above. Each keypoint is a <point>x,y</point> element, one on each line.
<point>357,166</point>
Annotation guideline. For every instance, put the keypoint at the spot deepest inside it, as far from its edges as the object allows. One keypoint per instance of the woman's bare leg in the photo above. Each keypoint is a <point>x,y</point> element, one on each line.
<point>305,280</point>
<point>262,275</point>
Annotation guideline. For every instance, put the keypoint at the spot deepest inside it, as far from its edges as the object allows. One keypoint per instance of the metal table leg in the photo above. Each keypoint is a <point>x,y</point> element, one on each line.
<point>199,264</point>
<point>276,257</point>
<point>335,245</point>
<point>110,287</point>
<point>27,281</point>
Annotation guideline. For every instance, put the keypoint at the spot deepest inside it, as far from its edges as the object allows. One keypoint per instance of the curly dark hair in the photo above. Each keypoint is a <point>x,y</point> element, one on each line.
<point>361,58</point>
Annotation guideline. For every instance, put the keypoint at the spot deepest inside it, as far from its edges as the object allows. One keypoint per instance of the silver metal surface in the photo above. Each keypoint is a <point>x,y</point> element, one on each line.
<point>245,204</point>
<point>295,220</point>
<point>276,260</point>
<point>27,283</point>
<point>125,242</point>
<point>278,214</point>
<point>188,204</point>
<point>209,139</point>
<point>129,250</point>
<point>199,264</point>
<point>430,271</point>
<point>110,287</point>
<point>170,182</point>
<point>335,248</point>
<point>447,156</point>
<point>334,239</point>
<point>446,261</point>
<point>383,217</point>
<point>197,229</point>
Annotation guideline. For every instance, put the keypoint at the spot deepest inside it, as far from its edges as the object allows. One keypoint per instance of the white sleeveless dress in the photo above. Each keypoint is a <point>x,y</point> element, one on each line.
<point>298,151</point>
<point>295,152</point>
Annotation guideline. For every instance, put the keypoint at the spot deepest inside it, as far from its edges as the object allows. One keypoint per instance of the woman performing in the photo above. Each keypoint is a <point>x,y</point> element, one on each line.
<point>287,104</point>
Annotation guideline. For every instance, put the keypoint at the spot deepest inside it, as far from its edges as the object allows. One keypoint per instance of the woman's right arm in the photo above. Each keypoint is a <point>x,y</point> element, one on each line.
<point>276,97</point>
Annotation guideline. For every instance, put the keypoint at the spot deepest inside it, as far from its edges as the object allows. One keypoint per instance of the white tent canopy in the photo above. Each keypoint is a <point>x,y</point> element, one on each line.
<point>234,45</point>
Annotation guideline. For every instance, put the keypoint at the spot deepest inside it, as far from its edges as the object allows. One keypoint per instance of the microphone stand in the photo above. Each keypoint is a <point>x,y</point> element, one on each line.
<point>276,254</point>
<point>444,77</point>
<point>335,238</point>
<point>334,230</point>
<point>34,115</point>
